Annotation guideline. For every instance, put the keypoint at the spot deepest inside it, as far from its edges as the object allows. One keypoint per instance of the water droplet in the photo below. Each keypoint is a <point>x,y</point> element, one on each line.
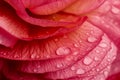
<point>33,56</point>
<point>97,51</point>
<point>115,10</point>
<point>37,56</point>
<point>16,56</point>
<point>63,51</point>
<point>69,58</point>
<point>106,73</point>
<point>80,41</point>
<point>72,68</point>
<point>96,59</point>
<point>76,45</point>
<point>98,69</point>
<point>87,33</point>
<point>56,39</point>
<point>4,53</point>
<point>103,45</point>
<point>92,39</point>
<point>92,32</point>
<point>1,41</point>
<point>75,53</point>
<point>114,57</point>
<point>48,56</point>
<point>59,65</point>
<point>35,70</point>
<point>108,60</point>
<point>87,60</point>
<point>109,67</point>
<point>80,71</point>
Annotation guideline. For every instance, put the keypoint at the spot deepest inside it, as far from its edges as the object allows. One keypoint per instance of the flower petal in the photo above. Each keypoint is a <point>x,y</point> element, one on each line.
<point>20,9</point>
<point>24,31</point>
<point>46,48</point>
<point>46,7</point>
<point>6,39</point>
<point>89,65</point>
<point>81,7</point>
<point>108,23</point>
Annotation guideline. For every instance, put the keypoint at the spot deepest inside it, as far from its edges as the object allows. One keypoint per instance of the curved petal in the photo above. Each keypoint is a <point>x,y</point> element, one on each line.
<point>50,47</point>
<point>89,65</point>
<point>24,31</point>
<point>46,7</point>
<point>108,23</point>
<point>83,6</point>
<point>6,39</point>
<point>20,9</point>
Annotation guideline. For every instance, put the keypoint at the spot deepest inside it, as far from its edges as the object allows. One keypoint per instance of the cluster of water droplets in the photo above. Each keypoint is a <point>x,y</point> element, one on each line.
<point>34,55</point>
<point>63,51</point>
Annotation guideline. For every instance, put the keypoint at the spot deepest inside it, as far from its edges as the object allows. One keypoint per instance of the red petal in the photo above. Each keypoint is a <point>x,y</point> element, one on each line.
<point>46,49</point>
<point>114,77</point>
<point>90,64</point>
<point>6,39</point>
<point>22,30</point>
<point>108,20</point>
<point>12,74</point>
<point>20,9</point>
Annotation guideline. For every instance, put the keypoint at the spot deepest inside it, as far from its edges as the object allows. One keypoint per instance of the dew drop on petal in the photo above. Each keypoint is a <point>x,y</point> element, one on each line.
<point>92,39</point>
<point>33,56</point>
<point>96,58</point>
<point>1,41</point>
<point>59,65</point>
<point>63,51</point>
<point>115,10</point>
<point>103,45</point>
<point>76,45</point>
<point>35,70</point>
<point>75,53</point>
<point>48,56</point>
<point>80,41</point>
<point>108,60</point>
<point>4,53</point>
<point>106,73</point>
<point>98,69</point>
<point>87,60</point>
<point>97,51</point>
<point>72,68</point>
<point>16,56</point>
<point>80,71</point>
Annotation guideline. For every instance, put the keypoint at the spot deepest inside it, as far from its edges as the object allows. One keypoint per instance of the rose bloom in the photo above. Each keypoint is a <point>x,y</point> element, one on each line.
<point>59,39</point>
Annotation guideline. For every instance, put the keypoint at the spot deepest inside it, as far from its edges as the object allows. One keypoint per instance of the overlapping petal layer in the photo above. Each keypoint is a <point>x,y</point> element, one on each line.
<point>43,49</point>
<point>56,46</point>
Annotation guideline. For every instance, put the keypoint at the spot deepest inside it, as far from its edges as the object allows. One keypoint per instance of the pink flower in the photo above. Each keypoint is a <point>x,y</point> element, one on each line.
<point>59,39</point>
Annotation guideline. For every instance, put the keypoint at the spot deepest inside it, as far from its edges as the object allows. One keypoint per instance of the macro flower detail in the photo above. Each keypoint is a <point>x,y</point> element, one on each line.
<point>59,39</point>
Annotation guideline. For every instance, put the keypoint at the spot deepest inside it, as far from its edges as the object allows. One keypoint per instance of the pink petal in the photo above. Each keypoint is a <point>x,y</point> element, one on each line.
<point>46,48</point>
<point>83,6</point>
<point>46,7</point>
<point>22,30</point>
<point>89,65</point>
<point>12,74</point>
<point>7,39</point>
<point>20,9</point>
